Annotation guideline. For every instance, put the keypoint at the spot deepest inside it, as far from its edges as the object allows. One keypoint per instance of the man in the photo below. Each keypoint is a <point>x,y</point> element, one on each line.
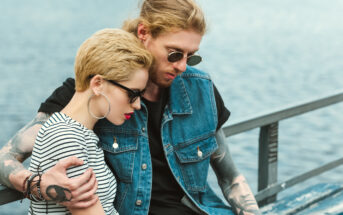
<point>161,156</point>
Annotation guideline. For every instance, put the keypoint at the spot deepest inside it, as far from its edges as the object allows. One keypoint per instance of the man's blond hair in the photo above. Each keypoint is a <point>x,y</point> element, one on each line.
<point>112,53</point>
<point>161,16</point>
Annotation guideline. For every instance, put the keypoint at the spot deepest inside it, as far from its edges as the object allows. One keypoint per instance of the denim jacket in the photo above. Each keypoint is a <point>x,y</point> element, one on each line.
<point>188,129</point>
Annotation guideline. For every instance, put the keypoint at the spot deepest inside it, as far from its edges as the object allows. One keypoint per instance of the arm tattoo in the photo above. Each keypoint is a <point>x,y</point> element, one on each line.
<point>233,185</point>
<point>221,161</point>
<point>18,149</point>
<point>58,193</point>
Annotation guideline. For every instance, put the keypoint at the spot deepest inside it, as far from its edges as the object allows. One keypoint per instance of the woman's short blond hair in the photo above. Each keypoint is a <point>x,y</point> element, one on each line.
<point>112,53</point>
<point>161,16</point>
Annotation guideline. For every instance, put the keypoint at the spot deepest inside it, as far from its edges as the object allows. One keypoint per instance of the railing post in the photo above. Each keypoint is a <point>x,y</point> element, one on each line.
<point>267,162</point>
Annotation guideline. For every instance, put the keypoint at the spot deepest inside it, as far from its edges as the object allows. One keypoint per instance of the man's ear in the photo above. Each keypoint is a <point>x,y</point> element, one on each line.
<point>96,84</point>
<point>142,32</point>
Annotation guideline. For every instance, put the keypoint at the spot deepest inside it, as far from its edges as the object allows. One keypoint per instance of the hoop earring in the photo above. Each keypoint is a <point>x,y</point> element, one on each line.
<point>93,115</point>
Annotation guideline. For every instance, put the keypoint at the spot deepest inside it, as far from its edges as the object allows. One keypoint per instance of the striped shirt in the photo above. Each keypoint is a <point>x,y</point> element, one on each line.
<point>62,137</point>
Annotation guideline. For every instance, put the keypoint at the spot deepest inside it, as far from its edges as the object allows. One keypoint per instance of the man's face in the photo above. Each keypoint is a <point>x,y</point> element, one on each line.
<point>163,72</point>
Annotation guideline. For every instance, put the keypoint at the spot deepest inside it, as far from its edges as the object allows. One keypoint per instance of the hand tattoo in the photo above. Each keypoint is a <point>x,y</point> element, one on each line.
<point>58,193</point>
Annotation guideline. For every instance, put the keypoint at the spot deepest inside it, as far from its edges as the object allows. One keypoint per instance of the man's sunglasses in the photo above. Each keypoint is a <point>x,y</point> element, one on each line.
<point>192,60</point>
<point>132,94</point>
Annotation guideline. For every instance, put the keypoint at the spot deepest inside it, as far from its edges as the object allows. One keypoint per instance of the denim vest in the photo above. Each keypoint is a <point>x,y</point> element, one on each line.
<point>188,129</point>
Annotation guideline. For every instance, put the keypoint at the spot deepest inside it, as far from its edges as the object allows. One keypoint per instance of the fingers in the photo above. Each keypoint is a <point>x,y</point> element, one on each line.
<point>87,195</point>
<point>85,178</point>
<point>82,204</point>
<point>84,196</point>
<point>89,186</point>
<point>70,161</point>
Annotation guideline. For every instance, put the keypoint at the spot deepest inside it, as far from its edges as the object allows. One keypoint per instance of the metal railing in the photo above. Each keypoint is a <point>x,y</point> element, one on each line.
<point>268,185</point>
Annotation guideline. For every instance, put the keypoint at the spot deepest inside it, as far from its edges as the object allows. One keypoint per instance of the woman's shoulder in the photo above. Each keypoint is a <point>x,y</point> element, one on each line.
<point>59,125</point>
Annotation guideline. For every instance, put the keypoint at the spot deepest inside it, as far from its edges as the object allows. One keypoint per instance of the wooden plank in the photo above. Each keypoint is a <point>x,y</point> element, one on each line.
<point>302,200</point>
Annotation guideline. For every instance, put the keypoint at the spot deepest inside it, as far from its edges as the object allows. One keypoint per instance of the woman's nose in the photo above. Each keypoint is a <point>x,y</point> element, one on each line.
<point>137,104</point>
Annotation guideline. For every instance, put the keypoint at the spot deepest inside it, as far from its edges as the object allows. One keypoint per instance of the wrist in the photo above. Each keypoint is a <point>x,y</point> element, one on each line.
<point>18,180</point>
<point>32,188</point>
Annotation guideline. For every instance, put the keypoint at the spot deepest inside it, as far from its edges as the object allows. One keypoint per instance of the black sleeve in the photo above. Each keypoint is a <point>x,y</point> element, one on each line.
<point>59,98</point>
<point>222,111</point>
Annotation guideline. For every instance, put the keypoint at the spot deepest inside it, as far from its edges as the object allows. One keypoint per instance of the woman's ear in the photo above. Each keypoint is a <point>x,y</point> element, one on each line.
<point>96,84</point>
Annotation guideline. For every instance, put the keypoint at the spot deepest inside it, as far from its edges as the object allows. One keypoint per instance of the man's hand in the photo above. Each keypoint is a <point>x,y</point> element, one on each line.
<point>78,192</point>
<point>241,198</point>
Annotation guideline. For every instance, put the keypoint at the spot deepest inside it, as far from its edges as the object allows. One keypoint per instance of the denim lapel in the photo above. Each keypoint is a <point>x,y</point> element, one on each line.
<point>179,97</point>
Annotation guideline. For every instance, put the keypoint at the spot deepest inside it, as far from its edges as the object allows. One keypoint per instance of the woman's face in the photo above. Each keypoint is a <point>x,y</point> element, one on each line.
<point>121,109</point>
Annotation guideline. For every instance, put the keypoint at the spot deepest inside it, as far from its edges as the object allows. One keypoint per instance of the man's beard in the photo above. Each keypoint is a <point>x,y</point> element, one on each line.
<point>158,80</point>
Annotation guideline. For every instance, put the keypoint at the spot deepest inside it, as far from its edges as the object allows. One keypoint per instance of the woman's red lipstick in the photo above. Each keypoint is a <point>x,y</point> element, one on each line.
<point>128,115</point>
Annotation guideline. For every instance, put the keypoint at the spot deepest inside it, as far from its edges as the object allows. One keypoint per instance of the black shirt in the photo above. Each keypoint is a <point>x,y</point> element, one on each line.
<point>166,193</point>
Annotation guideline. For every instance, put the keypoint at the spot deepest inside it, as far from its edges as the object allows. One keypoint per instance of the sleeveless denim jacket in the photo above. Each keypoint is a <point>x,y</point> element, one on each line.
<point>188,129</point>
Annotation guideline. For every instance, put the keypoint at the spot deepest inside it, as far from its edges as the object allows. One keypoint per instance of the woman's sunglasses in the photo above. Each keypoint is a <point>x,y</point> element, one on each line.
<point>192,60</point>
<point>132,94</point>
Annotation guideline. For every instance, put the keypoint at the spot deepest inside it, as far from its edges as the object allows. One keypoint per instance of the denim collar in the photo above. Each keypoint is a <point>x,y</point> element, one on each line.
<point>179,98</point>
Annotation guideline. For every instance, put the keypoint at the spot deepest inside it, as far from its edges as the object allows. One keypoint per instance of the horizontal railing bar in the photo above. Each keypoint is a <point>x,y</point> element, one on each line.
<point>273,189</point>
<point>284,113</point>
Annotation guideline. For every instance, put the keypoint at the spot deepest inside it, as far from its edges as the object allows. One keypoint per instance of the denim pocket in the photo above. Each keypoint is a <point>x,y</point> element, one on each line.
<point>194,161</point>
<point>120,154</point>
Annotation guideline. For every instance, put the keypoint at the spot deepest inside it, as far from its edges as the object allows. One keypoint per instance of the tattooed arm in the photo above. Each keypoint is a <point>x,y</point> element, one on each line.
<point>16,151</point>
<point>13,173</point>
<point>234,186</point>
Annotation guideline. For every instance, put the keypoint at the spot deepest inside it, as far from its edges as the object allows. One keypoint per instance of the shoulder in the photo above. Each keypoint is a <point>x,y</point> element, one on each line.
<point>57,130</point>
<point>192,72</point>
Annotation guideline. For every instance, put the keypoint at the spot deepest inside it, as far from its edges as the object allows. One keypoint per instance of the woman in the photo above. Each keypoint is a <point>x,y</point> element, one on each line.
<point>111,72</point>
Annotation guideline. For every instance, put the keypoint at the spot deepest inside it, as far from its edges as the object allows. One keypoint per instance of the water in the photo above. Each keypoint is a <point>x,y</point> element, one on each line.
<point>261,55</point>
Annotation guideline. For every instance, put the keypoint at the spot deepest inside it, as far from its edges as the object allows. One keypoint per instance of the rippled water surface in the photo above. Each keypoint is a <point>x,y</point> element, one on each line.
<point>262,55</point>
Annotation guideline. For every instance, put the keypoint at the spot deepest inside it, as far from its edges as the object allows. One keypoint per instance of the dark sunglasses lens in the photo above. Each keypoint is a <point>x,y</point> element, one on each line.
<point>134,95</point>
<point>193,60</point>
<point>175,56</point>
<point>133,99</point>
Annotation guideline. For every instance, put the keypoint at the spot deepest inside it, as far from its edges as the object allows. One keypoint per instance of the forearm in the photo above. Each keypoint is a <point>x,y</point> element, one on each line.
<point>13,173</point>
<point>16,151</point>
<point>234,186</point>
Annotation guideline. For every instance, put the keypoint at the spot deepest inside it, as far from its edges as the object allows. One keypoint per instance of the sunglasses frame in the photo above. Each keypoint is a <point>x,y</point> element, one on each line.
<point>189,58</point>
<point>132,94</point>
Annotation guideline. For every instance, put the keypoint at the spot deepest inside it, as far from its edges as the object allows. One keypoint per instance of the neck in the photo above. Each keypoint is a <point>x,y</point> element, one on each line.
<point>77,109</point>
<point>153,92</point>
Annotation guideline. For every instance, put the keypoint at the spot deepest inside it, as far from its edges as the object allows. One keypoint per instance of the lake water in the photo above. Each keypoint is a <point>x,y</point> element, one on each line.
<point>262,55</point>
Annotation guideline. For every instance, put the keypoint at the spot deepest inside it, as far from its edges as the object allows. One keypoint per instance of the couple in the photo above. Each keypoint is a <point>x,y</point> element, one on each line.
<point>160,156</point>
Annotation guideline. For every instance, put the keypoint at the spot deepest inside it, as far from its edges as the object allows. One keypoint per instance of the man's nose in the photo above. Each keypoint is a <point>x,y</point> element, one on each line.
<point>181,65</point>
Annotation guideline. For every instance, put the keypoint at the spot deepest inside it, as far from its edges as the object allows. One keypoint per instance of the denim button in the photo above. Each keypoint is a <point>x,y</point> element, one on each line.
<point>143,129</point>
<point>115,145</point>
<point>199,153</point>
<point>138,202</point>
<point>144,166</point>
